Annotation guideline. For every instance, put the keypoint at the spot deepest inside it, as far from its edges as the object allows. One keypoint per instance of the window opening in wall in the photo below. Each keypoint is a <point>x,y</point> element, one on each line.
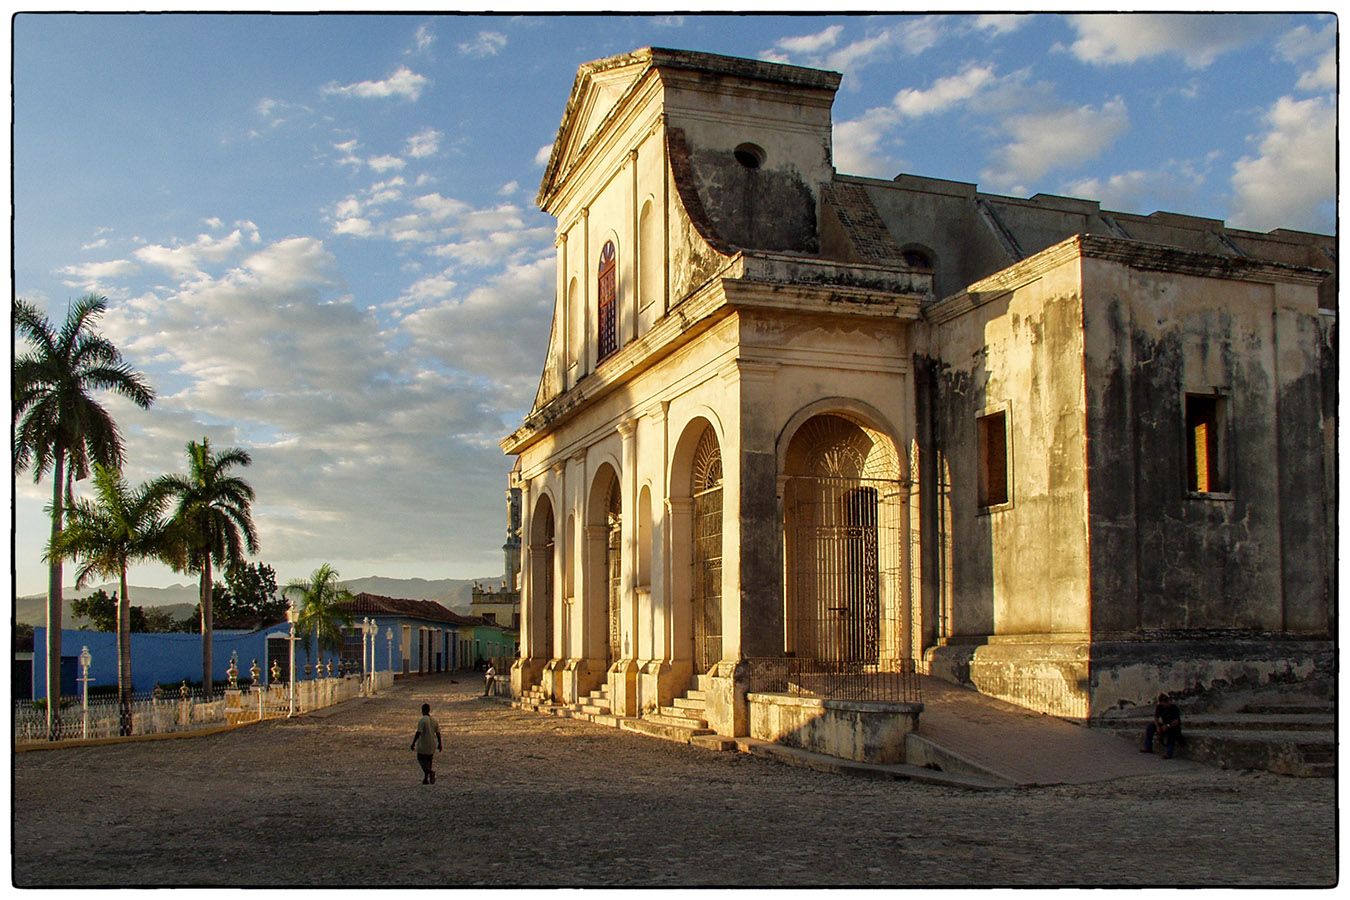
<point>750,155</point>
<point>1206,471</point>
<point>607,338</point>
<point>613,568</point>
<point>917,259</point>
<point>993,441</point>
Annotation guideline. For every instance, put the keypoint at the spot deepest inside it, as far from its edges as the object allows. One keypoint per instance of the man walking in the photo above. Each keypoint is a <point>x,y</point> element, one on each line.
<point>427,742</point>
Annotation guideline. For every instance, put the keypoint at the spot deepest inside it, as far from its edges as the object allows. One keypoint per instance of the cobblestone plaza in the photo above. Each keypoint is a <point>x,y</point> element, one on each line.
<point>523,799</point>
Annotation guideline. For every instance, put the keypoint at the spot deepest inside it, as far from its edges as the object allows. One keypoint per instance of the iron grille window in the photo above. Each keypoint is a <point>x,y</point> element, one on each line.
<point>607,290</point>
<point>706,488</point>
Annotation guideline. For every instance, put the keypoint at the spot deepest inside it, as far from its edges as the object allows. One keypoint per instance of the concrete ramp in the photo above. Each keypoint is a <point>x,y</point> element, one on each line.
<point>963,731</point>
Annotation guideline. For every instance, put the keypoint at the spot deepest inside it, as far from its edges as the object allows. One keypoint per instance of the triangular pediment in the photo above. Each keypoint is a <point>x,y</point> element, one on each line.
<point>598,89</point>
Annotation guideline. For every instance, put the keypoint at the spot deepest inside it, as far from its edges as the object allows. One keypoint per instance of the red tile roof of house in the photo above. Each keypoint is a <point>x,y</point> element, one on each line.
<point>374,605</point>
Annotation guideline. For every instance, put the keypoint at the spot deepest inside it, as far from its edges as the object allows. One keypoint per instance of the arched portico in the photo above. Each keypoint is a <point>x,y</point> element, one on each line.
<point>845,534</point>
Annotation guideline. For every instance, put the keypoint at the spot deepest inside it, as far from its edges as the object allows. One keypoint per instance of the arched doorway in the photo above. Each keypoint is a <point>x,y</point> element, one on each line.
<point>705,488</point>
<point>842,517</point>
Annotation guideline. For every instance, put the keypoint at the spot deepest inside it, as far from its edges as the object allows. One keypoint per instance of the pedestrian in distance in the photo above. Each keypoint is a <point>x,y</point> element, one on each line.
<point>489,679</point>
<point>1166,727</point>
<point>427,743</point>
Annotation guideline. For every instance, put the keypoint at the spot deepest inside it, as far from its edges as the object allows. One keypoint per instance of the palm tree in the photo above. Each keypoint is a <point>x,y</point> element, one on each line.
<point>118,527</point>
<point>59,426</point>
<point>213,517</point>
<point>327,607</point>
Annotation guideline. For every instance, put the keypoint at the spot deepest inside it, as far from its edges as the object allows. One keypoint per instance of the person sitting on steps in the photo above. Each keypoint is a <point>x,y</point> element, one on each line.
<point>1166,726</point>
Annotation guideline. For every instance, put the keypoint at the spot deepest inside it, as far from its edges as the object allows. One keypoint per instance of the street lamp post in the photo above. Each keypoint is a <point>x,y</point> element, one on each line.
<point>291,616</point>
<point>86,659</point>
<point>372,630</point>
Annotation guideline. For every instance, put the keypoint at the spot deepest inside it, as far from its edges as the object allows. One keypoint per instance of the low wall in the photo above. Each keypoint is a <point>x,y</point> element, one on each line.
<point>860,730</point>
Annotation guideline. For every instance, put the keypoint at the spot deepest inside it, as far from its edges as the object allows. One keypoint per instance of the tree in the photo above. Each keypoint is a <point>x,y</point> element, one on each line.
<point>60,427</point>
<point>118,527</point>
<point>214,521</point>
<point>100,608</point>
<point>248,599</point>
<point>325,607</point>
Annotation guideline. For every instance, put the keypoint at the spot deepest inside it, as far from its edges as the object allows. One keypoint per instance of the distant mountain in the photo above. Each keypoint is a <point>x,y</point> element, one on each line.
<point>179,600</point>
<point>455,593</point>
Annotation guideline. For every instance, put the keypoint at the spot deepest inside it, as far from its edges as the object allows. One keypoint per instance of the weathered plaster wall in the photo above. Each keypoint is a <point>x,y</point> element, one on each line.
<point>1253,557</point>
<point>1021,567</point>
<point>770,207</point>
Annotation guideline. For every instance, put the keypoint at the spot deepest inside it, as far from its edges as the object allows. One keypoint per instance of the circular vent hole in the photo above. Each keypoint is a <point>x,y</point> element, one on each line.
<point>750,155</point>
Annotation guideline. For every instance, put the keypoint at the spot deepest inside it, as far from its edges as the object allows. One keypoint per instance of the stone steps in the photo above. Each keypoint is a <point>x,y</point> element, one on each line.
<point>681,732</point>
<point>1302,745</point>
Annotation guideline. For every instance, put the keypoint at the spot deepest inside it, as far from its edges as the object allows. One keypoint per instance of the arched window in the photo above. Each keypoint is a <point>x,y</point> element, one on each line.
<point>606,293</point>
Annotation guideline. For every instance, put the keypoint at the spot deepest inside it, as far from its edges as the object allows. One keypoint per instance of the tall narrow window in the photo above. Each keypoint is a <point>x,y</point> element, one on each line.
<point>1206,460</point>
<point>993,440</point>
<point>606,291</point>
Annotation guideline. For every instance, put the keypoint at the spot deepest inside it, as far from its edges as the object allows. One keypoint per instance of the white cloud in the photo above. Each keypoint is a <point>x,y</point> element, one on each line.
<point>487,43</point>
<point>508,189</point>
<point>858,143</point>
<point>1000,23</point>
<point>811,43</point>
<point>1055,139</point>
<point>423,38</point>
<point>668,21</point>
<point>385,162</point>
<point>186,260</point>
<point>1302,44</point>
<point>1292,182</point>
<point>91,276</point>
<point>95,245</point>
<point>944,93</point>
<point>1175,185</point>
<point>423,144</point>
<point>542,155</point>
<point>343,422</point>
<point>404,82</point>
<point>1196,38</point>
<point>212,222</point>
<point>910,38</point>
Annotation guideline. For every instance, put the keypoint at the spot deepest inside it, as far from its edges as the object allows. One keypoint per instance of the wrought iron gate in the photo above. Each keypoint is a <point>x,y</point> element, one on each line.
<point>613,569</point>
<point>707,546</point>
<point>835,560</point>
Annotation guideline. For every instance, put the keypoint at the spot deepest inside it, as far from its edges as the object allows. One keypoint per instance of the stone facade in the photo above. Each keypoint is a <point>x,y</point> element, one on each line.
<point>1068,456</point>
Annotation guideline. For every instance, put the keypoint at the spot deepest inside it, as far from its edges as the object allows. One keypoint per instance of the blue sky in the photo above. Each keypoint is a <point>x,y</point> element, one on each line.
<point>318,239</point>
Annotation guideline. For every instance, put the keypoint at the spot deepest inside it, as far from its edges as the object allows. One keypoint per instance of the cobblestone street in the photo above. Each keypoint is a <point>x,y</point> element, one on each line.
<point>524,799</point>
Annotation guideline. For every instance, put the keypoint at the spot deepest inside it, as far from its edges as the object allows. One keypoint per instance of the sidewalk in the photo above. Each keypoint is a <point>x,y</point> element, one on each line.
<point>1027,748</point>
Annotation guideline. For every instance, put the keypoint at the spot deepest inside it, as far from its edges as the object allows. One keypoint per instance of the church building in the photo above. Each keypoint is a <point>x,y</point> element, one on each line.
<point>794,420</point>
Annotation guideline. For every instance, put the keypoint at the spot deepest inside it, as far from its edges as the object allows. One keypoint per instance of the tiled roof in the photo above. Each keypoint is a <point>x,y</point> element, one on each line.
<point>373,604</point>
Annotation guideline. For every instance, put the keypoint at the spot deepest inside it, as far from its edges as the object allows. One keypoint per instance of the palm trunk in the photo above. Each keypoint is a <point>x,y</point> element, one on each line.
<point>206,623</point>
<point>54,603</point>
<point>124,657</point>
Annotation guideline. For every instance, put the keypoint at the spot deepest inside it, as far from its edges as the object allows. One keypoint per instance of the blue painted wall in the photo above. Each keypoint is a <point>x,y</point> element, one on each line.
<point>164,659</point>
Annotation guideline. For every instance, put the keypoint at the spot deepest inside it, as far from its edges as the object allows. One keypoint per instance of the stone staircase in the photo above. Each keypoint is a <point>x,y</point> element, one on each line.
<point>533,699</point>
<point>684,721</point>
<point>1285,735</point>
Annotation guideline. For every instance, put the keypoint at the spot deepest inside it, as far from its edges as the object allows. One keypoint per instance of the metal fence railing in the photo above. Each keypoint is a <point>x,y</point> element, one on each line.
<point>889,680</point>
<point>153,712</point>
<point>187,709</point>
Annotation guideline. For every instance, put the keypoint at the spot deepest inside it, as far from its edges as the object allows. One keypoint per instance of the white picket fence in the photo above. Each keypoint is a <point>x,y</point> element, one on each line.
<point>167,711</point>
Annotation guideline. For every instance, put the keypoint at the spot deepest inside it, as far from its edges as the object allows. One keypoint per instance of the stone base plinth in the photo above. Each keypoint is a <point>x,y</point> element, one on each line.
<point>863,731</point>
<point>1078,677</point>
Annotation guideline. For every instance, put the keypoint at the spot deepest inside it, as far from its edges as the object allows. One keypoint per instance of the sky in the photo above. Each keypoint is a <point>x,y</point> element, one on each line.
<point>318,239</point>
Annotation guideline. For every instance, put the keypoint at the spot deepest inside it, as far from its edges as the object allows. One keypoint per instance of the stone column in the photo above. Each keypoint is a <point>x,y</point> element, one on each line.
<point>752,542</point>
<point>623,671</point>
